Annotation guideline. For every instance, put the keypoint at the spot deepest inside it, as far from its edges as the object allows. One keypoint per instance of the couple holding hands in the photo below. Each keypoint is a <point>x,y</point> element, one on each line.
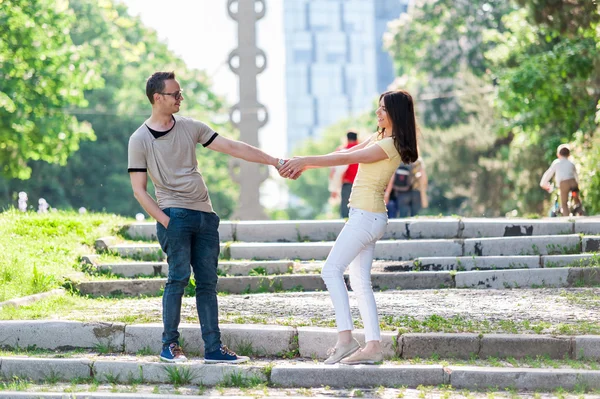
<point>164,148</point>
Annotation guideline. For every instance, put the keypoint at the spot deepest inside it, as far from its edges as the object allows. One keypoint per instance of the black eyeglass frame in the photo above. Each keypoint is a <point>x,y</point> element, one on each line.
<point>176,94</point>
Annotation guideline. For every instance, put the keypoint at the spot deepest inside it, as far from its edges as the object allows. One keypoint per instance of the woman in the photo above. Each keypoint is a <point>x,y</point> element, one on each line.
<point>378,157</point>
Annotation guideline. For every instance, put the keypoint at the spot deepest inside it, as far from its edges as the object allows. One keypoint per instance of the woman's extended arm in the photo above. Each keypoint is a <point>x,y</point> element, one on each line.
<point>297,165</point>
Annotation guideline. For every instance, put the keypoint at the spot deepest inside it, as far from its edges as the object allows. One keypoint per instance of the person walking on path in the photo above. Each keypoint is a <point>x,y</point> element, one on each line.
<point>565,175</point>
<point>378,157</point>
<point>164,147</point>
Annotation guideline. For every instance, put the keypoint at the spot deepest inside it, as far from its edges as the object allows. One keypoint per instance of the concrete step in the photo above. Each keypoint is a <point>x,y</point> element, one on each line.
<point>415,228</point>
<point>489,279</point>
<point>273,341</point>
<point>467,263</point>
<point>390,249</point>
<point>233,268</point>
<point>299,375</point>
<point>277,283</point>
<point>457,377</point>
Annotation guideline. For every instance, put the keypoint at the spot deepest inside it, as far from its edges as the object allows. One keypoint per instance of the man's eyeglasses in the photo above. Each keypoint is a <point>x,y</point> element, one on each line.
<point>176,94</point>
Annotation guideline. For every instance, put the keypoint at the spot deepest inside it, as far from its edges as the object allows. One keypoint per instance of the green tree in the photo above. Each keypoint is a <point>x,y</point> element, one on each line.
<point>587,155</point>
<point>127,53</point>
<point>564,16</point>
<point>42,72</point>
<point>435,43</point>
<point>539,62</point>
<point>549,86</point>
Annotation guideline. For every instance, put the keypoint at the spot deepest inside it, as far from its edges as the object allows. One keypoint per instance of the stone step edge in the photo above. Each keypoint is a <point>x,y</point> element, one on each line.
<point>229,267</point>
<point>390,249</point>
<point>280,341</point>
<point>483,279</point>
<point>28,300</point>
<point>398,228</point>
<point>303,375</point>
<point>438,263</point>
<point>106,243</point>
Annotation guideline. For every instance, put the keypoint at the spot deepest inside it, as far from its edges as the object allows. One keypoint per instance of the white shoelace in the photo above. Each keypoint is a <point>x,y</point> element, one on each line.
<point>226,350</point>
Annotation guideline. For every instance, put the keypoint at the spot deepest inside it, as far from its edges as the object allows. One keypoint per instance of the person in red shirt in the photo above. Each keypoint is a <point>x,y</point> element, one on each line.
<point>348,176</point>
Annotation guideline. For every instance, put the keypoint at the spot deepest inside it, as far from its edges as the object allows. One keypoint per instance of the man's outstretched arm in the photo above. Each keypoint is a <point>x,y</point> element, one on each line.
<point>241,150</point>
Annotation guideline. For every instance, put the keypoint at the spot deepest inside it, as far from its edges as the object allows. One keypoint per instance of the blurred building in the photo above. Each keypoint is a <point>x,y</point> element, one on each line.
<point>335,62</point>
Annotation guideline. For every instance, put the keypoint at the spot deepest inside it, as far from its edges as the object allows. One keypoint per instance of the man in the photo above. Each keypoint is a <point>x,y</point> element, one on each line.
<point>565,175</point>
<point>347,178</point>
<point>164,148</point>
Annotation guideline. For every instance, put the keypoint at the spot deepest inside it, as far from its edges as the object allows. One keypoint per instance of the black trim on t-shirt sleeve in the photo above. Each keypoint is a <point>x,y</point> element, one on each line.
<point>137,170</point>
<point>214,136</point>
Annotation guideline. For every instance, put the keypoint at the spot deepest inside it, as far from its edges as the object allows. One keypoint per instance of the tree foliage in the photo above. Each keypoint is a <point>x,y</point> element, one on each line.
<point>42,72</point>
<point>126,53</point>
<point>549,87</point>
<point>540,63</point>
<point>435,43</point>
<point>564,16</point>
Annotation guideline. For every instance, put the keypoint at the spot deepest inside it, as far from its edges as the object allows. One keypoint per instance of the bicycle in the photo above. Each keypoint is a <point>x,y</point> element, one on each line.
<point>574,208</point>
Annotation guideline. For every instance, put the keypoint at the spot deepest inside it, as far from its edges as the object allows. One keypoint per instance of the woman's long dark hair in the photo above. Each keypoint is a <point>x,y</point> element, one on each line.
<point>400,109</point>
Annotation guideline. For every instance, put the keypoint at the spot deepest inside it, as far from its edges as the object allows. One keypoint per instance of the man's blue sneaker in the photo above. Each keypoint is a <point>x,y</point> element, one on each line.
<point>224,355</point>
<point>172,354</point>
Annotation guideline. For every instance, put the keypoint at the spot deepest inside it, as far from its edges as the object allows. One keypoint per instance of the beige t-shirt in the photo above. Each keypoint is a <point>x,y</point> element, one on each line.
<point>171,163</point>
<point>372,178</point>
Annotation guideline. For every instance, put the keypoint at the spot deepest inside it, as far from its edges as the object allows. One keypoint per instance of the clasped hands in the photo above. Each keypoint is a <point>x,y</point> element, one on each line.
<point>293,168</point>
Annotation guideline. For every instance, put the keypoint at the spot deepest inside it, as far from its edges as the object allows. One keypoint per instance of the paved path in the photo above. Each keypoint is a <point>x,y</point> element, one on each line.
<point>551,305</point>
<point>107,391</point>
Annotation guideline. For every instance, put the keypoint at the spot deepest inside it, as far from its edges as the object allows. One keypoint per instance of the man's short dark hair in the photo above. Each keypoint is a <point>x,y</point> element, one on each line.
<point>563,150</point>
<point>352,136</point>
<point>156,83</point>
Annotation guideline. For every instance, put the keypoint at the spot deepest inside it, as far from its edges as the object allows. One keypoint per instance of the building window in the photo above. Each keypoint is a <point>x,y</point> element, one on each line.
<point>303,56</point>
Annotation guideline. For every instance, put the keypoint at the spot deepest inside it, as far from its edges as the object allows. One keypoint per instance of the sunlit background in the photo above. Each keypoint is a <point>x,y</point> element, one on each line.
<point>498,84</point>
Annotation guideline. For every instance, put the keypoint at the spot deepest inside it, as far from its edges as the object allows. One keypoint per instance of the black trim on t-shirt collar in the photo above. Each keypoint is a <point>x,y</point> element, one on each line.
<point>214,136</point>
<point>157,134</point>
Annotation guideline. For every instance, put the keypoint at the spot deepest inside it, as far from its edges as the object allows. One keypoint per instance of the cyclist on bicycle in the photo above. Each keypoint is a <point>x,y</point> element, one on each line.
<point>565,175</point>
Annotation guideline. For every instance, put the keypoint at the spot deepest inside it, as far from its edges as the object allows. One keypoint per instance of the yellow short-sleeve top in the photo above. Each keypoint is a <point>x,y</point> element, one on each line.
<point>372,178</point>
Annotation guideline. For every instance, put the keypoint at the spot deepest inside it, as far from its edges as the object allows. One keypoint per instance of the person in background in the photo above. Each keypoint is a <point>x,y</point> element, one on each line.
<point>406,192</point>
<point>565,175</point>
<point>348,176</point>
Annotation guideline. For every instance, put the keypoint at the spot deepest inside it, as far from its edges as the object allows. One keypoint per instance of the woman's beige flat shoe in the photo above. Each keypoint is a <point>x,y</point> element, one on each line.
<point>338,353</point>
<point>360,357</point>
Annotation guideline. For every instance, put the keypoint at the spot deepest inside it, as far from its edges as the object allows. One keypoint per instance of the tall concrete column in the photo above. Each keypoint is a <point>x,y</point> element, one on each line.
<point>248,115</point>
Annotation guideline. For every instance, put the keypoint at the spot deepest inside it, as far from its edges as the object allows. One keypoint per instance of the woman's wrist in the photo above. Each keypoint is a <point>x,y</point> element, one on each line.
<point>279,162</point>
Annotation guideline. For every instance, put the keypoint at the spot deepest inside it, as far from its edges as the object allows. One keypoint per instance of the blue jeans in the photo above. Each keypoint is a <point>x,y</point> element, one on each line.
<point>192,238</point>
<point>345,196</point>
<point>408,203</point>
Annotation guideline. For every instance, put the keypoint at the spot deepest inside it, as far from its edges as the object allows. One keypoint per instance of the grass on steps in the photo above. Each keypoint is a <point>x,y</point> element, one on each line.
<point>38,250</point>
<point>148,310</point>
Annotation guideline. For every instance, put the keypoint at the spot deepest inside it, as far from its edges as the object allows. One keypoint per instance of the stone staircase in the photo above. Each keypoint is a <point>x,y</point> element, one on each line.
<point>274,256</point>
<point>271,256</point>
<point>129,356</point>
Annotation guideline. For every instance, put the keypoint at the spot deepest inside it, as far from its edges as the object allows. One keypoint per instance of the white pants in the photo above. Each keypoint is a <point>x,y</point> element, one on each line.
<point>355,247</point>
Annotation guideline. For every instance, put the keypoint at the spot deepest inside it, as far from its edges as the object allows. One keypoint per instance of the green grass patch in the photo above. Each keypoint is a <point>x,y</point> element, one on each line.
<point>38,250</point>
<point>75,307</point>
